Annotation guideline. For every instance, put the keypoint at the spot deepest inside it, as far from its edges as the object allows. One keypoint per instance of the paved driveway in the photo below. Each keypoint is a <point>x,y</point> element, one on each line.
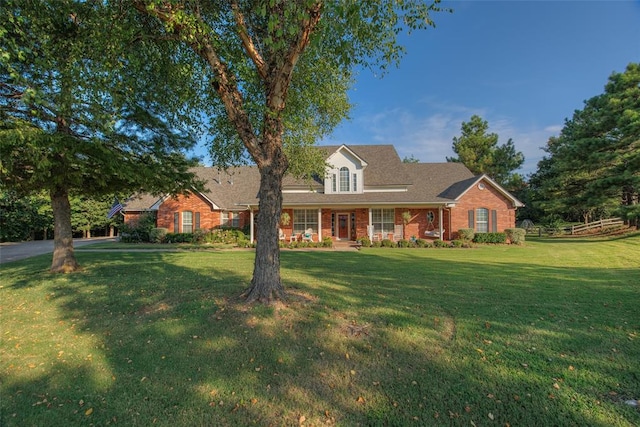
<point>16,251</point>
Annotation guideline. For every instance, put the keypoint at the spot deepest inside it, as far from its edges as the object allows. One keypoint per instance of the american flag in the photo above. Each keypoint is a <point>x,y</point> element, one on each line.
<point>115,208</point>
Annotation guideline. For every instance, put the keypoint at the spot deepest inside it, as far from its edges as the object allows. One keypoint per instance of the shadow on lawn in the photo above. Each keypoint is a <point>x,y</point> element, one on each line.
<point>178,348</point>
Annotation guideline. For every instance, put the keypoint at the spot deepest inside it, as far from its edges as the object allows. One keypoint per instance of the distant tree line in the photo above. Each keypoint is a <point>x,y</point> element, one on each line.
<point>31,217</point>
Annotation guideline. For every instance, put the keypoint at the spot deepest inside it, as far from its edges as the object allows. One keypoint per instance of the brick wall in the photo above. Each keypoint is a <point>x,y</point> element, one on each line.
<point>488,198</point>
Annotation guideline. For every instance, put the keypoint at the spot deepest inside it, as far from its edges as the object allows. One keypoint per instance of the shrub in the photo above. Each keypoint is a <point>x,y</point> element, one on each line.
<point>457,243</point>
<point>376,244</point>
<point>365,241</point>
<point>440,244</point>
<point>327,242</point>
<point>490,238</point>
<point>466,234</point>
<point>179,238</point>
<point>516,235</point>
<point>422,243</point>
<point>388,243</point>
<point>405,243</point>
<point>139,232</point>
<point>157,235</point>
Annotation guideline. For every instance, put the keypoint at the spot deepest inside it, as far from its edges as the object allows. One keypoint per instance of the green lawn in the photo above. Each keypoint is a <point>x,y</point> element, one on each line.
<point>543,334</point>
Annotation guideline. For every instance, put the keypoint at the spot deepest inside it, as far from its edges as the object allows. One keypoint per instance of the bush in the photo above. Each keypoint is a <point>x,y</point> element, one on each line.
<point>327,242</point>
<point>405,243</point>
<point>377,244</point>
<point>179,238</point>
<point>157,235</point>
<point>457,243</point>
<point>490,238</point>
<point>516,235</point>
<point>440,244</point>
<point>140,231</point>
<point>466,234</point>
<point>422,243</point>
<point>388,243</point>
<point>365,242</point>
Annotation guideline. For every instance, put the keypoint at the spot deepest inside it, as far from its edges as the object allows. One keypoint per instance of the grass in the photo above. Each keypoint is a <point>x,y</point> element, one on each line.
<point>543,334</point>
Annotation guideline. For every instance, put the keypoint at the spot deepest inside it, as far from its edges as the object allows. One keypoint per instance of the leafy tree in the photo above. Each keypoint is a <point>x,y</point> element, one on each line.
<point>592,169</point>
<point>22,218</point>
<point>68,122</point>
<point>480,152</point>
<point>272,78</point>
<point>410,159</point>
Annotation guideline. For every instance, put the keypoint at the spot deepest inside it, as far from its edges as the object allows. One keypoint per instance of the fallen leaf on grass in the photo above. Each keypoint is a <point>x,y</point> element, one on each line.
<point>490,415</point>
<point>88,412</point>
<point>360,399</point>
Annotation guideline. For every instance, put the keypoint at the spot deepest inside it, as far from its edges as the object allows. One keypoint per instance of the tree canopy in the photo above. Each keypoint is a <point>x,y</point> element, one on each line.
<point>592,169</point>
<point>480,152</point>
<point>79,112</point>
<point>272,77</point>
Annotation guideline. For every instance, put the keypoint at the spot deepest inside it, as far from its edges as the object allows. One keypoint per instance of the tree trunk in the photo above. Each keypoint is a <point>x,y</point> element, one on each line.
<point>266,284</point>
<point>64,260</point>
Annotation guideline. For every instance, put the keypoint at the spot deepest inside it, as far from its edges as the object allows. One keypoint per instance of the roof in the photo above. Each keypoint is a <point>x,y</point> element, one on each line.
<point>421,183</point>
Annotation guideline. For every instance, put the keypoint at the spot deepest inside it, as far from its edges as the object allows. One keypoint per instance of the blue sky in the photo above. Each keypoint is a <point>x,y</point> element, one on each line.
<point>523,66</point>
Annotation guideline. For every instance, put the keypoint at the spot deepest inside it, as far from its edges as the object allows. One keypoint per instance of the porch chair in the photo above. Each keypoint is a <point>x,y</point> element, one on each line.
<point>307,236</point>
<point>281,235</point>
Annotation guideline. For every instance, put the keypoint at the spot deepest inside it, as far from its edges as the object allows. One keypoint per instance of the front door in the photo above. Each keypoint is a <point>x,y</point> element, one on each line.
<point>343,226</point>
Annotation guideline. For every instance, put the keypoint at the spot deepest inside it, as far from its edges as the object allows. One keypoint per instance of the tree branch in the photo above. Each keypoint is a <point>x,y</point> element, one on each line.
<point>247,42</point>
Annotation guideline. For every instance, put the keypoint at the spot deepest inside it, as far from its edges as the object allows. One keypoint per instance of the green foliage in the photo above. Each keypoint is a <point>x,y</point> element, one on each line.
<point>592,169</point>
<point>480,153</point>
<point>327,242</point>
<point>405,243</point>
<point>388,243</point>
<point>365,241</point>
<point>466,234</point>
<point>24,218</point>
<point>140,231</point>
<point>440,244</point>
<point>458,243</point>
<point>490,238</point>
<point>423,243</point>
<point>158,235</point>
<point>516,235</point>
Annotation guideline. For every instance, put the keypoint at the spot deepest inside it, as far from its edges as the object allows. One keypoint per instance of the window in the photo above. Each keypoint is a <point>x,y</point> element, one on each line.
<point>230,219</point>
<point>482,220</point>
<point>382,220</point>
<point>187,222</point>
<point>334,180</point>
<point>355,182</point>
<point>305,218</point>
<point>344,179</point>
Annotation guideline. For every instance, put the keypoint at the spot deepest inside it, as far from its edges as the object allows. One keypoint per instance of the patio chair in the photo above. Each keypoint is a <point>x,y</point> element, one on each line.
<point>307,236</point>
<point>281,235</point>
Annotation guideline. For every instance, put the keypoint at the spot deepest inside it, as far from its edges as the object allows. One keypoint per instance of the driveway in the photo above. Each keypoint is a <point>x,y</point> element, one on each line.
<point>12,251</point>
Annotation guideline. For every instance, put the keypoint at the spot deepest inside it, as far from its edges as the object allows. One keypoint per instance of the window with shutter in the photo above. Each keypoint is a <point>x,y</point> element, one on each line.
<point>176,222</point>
<point>197,221</point>
<point>494,221</point>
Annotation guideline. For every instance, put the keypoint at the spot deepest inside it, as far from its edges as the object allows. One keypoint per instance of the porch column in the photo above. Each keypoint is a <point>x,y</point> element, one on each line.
<point>369,227</point>
<point>440,222</point>
<point>251,225</point>
<point>319,224</point>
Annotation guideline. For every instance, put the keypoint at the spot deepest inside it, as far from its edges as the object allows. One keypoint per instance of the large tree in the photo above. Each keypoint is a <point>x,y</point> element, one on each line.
<point>592,169</point>
<point>68,122</point>
<point>274,76</point>
<point>480,152</point>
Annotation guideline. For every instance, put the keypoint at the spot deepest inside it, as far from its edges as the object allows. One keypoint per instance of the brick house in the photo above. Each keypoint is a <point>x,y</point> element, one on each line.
<point>366,191</point>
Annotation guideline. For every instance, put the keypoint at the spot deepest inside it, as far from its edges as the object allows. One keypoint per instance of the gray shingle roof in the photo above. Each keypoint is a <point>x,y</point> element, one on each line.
<point>425,183</point>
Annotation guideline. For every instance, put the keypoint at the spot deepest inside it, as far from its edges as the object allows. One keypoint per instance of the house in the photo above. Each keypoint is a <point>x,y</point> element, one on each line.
<point>366,191</point>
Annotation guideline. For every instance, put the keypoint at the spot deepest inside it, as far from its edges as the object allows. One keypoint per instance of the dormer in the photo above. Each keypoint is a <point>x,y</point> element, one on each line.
<point>345,173</point>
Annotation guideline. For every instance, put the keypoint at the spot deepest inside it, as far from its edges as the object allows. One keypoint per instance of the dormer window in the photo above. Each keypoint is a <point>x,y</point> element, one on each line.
<point>344,179</point>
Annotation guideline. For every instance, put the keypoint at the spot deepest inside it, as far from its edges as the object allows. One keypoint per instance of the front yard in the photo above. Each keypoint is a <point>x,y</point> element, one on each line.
<point>539,334</point>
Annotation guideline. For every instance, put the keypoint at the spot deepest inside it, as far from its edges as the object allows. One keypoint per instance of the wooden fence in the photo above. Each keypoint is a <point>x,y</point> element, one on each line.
<point>602,224</point>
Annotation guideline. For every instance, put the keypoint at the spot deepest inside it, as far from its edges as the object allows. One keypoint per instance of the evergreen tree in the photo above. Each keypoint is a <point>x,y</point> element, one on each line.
<point>480,152</point>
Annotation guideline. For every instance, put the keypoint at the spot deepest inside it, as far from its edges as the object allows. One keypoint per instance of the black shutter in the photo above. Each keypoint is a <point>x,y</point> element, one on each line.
<point>471,220</point>
<point>494,221</point>
<point>197,224</point>
<point>176,222</point>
